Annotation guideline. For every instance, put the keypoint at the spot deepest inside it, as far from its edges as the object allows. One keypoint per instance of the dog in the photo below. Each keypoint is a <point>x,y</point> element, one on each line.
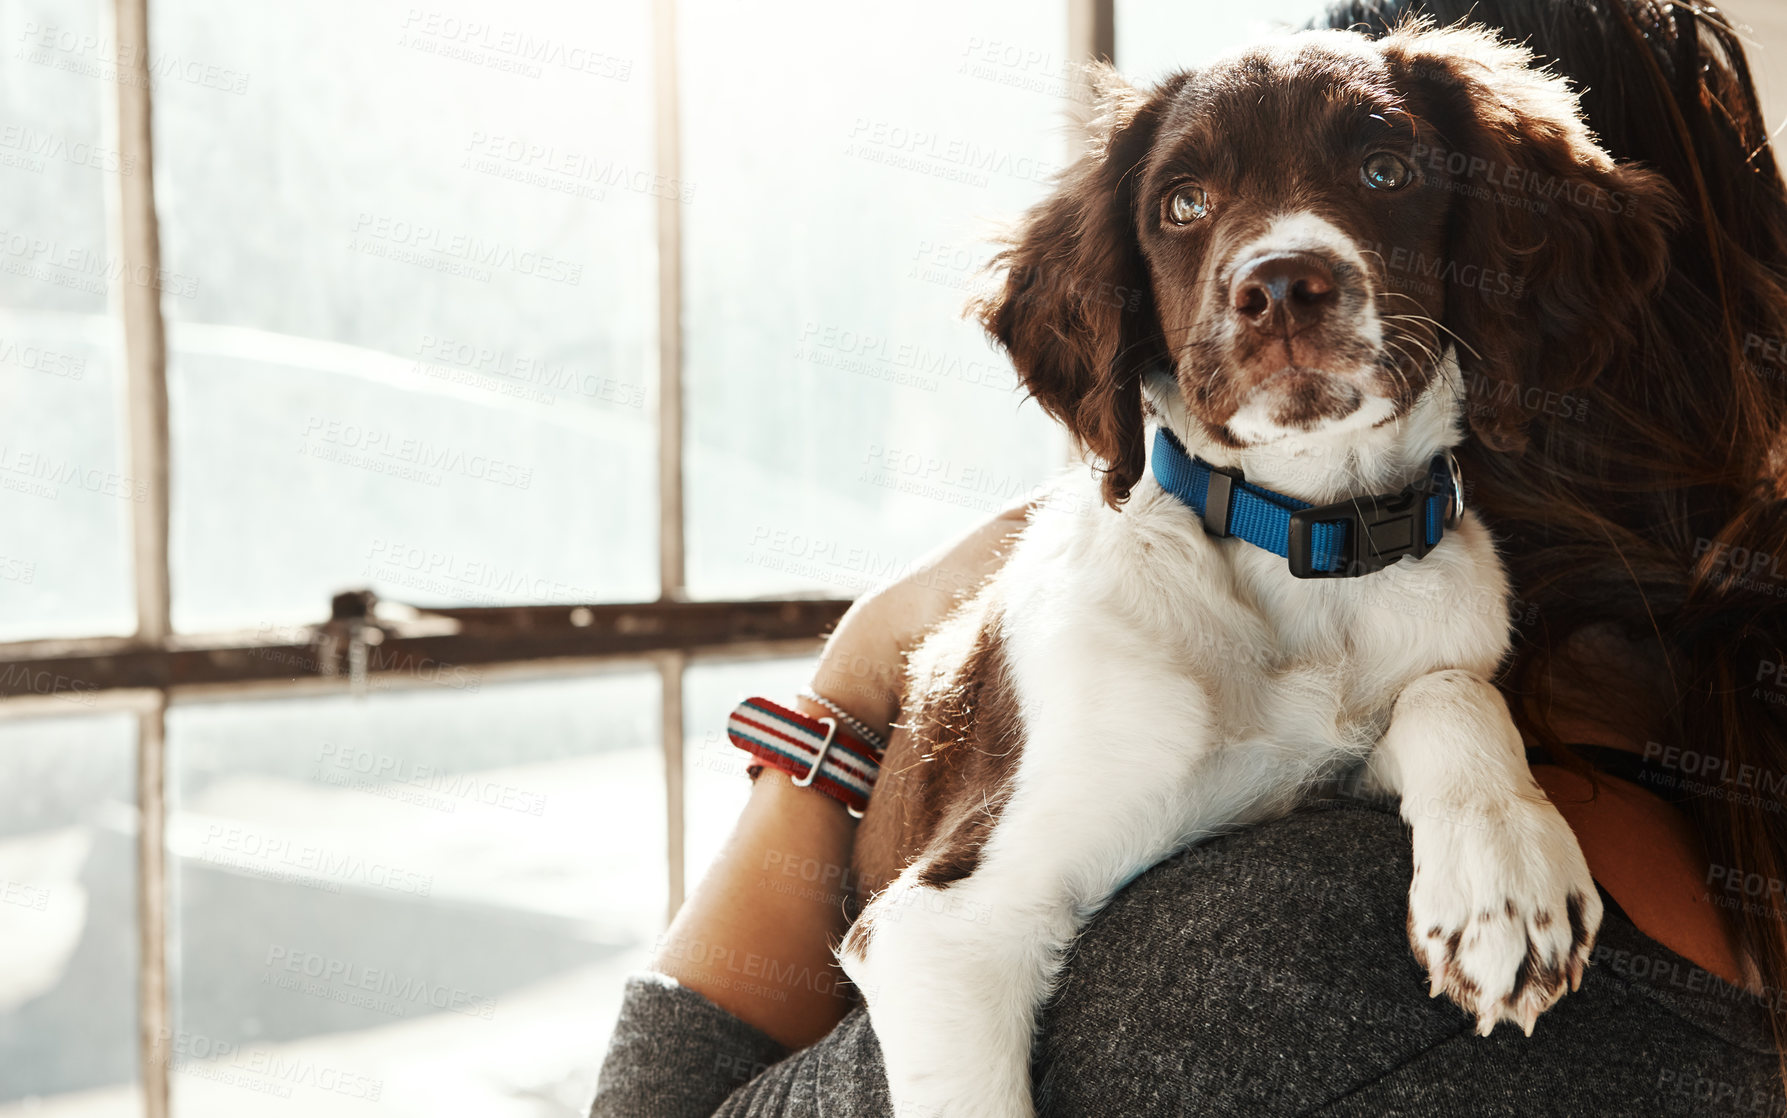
<point>1349,251</point>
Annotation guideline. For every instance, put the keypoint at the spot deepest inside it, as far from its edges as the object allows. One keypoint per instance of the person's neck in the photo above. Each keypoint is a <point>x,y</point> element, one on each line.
<point>1609,691</point>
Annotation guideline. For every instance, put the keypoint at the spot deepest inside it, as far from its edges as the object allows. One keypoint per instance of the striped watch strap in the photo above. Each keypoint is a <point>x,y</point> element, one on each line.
<point>790,741</point>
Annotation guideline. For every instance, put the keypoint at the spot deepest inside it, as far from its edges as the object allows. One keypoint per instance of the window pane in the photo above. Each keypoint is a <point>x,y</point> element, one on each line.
<point>1156,37</point>
<point>714,783</point>
<point>843,418</point>
<point>415,345</point>
<point>65,489</point>
<point>423,899</point>
<point>68,917</point>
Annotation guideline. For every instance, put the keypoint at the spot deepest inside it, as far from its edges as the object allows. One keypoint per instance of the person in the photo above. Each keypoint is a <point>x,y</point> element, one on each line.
<point>1267,971</point>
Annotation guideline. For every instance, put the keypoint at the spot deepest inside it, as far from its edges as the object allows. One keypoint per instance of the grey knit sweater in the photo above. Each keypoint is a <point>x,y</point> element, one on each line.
<point>1263,973</point>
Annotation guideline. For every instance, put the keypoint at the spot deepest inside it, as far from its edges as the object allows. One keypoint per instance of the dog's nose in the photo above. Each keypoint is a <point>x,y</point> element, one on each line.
<point>1284,290</point>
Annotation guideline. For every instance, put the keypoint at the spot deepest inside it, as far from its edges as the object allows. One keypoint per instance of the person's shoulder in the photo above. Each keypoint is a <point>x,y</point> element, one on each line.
<point>1193,979</point>
<point>1267,971</point>
<point>1342,860</point>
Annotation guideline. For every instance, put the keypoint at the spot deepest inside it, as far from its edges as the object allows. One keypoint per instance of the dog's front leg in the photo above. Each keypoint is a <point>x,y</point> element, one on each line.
<point>957,956</point>
<point>1502,910</point>
<point>953,978</point>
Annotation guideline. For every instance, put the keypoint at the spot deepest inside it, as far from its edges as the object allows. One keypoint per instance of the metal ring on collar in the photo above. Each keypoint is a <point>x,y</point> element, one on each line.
<point>1457,510</point>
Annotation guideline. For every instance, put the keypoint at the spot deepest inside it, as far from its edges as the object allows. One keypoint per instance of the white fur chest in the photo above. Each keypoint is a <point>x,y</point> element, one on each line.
<point>1310,667</point>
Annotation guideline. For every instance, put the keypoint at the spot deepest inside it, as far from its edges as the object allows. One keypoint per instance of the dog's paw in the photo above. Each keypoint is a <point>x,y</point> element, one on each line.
<point>1502,910</point>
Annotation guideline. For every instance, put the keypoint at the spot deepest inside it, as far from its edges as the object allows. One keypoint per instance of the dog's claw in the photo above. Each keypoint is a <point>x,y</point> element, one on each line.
<point>1502,939</point>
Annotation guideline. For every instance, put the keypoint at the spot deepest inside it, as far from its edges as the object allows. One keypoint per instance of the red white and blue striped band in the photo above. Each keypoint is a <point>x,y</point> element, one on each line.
<point>790,741</point>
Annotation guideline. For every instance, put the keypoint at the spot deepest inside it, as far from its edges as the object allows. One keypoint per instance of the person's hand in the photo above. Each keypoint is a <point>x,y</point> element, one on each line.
<point>863,666</point>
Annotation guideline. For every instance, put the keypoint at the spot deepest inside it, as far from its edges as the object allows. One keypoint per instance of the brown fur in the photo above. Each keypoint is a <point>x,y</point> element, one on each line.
<point>1588,237</point>
<point>948,770</point>
<point>1537,295</point>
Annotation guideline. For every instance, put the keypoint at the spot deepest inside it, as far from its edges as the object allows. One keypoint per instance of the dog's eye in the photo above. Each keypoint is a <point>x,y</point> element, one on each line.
<point>1187,204</point>
<point>1387,171</point>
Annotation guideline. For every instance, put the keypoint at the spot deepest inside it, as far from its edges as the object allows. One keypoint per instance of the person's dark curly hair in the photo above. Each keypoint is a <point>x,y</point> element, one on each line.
<point>1656,508</point>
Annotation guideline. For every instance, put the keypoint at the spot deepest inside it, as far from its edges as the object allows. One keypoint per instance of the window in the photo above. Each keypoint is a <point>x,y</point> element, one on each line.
<point>65,486</point>
<point>411,291</point>
<point>423,898</point>
<point>410,453</point>
<point>68,908</point>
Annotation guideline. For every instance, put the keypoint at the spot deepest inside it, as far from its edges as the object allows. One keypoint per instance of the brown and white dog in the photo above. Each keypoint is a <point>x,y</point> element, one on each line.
<point>1334,236</point>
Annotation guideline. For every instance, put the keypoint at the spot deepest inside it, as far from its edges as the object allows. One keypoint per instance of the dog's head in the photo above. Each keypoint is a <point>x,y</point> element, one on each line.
<point>1298,234</point>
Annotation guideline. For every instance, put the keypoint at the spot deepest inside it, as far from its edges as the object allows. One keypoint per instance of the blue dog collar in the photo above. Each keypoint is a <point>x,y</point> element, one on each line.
<point>1357,536</point>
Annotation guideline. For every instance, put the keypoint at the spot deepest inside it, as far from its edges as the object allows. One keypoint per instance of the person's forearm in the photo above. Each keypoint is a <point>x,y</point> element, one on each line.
<point>755,937</point>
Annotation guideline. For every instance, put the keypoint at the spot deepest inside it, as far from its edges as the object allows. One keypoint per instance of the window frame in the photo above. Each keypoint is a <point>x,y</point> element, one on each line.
<point>156,667</point>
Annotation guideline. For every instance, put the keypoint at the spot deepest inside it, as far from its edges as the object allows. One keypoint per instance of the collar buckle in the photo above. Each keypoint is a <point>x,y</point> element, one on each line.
<point>1380,530</point>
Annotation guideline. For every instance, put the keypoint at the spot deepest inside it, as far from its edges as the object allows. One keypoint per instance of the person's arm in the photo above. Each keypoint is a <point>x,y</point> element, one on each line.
<point>753,939</point>
<point>743,915</point>
<point>756,941</point>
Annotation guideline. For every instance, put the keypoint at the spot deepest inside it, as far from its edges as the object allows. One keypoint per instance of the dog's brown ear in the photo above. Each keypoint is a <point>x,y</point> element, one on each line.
<point>1553,250</point>
<point>1073,308</point>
